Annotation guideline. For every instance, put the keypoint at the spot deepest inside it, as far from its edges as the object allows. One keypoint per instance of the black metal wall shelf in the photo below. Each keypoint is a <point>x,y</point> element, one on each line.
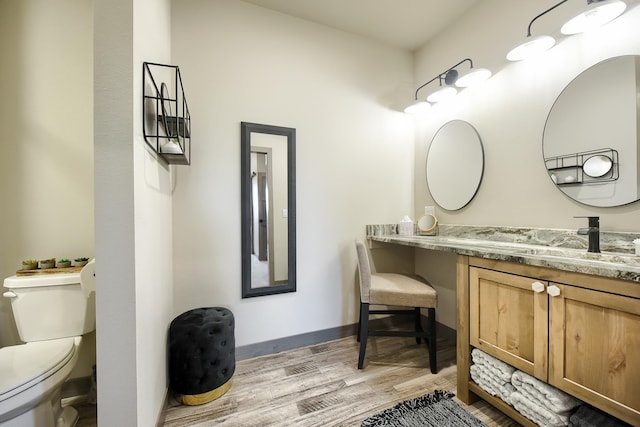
<point>568,169</point>
<point>166,122</point>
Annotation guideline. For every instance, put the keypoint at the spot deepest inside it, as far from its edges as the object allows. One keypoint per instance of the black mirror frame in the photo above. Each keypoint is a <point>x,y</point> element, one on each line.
<point>246,129</point>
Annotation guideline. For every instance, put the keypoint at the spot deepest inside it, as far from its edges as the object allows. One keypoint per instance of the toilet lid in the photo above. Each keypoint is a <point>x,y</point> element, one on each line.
<point>23,365</point>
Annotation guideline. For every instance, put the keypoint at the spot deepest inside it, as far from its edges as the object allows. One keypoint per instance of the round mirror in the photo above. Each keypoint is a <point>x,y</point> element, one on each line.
<point>590,142</point>
<point>427,223</point>
<point>455,163</point>
<point>597,166</point>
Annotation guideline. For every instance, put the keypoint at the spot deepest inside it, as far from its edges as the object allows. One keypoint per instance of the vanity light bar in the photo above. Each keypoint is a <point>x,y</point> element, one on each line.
<point>450,77</point>
<point>596,14</point>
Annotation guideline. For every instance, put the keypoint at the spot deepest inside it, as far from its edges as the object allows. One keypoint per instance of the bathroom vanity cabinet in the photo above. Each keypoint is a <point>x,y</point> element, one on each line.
<point>577,332</point>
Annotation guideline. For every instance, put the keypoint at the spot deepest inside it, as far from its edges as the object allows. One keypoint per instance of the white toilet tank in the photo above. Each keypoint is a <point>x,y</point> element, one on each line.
<point>51,306</point>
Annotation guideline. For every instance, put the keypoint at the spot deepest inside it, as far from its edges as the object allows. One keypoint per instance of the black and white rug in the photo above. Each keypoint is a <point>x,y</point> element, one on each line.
<point>436,409</point>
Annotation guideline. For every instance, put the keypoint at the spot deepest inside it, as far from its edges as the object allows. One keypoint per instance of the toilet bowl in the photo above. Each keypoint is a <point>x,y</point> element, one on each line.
<point>31,376</point>
<point>52,312</point>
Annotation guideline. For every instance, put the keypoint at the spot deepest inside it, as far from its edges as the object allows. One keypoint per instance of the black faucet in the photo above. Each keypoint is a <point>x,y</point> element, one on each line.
<point>593,231</point>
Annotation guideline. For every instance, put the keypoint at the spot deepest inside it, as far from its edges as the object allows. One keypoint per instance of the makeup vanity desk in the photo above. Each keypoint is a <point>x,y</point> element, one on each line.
<point>538,301</point>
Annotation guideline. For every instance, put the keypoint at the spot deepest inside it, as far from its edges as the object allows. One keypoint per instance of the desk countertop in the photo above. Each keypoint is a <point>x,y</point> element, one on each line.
<point>624,266</point>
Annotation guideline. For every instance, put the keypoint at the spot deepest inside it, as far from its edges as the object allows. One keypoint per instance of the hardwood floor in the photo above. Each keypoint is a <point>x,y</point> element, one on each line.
<point>320,385</point>
<point>87,415</point>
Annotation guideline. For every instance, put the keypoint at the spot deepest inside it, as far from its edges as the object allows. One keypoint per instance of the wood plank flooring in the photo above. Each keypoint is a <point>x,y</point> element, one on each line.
<point>320,385</point>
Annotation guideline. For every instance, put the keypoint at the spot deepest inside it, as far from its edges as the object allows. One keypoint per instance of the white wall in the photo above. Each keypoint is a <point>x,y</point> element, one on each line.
<point>239,63</point>
<point>46,160</point>
<point>133,217</point>
<point>355,159</point>
<point>509,112</point>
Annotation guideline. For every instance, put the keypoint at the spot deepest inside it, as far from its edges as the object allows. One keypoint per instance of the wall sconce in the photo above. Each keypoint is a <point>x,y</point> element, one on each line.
<point>450,77</point>
<point>533,45</point>
<point>447,91</point>
<point>596,14</point>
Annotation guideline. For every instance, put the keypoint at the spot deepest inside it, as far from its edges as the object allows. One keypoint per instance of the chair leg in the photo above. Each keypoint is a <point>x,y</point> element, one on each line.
<point>364,332</point>
<point>359,324</point>
<point>418,324</point>
<point>432,341</point>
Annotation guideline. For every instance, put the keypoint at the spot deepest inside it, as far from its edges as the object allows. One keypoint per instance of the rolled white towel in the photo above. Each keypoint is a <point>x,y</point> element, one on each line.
<point>501,369</point>
<point>490,383</point>
<point>537,413</point>
<point>544,394</point>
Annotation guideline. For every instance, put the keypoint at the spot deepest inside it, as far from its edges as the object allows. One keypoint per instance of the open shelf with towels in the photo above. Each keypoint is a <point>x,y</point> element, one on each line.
<point>166,121</point>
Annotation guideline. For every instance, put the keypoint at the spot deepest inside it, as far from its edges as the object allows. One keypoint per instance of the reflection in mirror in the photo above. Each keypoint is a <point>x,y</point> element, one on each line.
<point>455,164</point>
<point>591,137</point>
<point>268,209</point>
<point>597,166</point>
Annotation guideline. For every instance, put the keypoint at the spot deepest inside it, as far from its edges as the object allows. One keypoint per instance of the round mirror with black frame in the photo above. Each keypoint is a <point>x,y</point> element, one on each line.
<point>591,139</point>
<point>455,165</point>
<point>268,209</point>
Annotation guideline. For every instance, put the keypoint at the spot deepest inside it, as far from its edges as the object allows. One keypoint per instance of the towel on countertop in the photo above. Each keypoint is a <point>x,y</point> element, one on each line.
<point>501,369</point>
<point>492,384</point>
<point>587,416</point>
<point>537,413</point>
<point>542,393</point>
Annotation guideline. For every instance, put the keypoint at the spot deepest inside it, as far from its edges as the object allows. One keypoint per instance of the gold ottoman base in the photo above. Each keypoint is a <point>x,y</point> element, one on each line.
<point>202,398</point>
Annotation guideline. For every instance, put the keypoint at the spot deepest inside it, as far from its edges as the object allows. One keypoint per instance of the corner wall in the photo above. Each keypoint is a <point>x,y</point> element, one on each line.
<point>134,276</point>
<point>509,112</point>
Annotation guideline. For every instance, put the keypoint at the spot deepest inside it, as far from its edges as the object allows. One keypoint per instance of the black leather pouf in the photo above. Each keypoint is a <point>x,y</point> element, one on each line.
<point>201,354</point>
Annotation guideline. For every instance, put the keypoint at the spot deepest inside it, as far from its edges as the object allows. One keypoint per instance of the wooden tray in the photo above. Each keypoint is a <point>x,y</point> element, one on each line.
<point>48,271</point>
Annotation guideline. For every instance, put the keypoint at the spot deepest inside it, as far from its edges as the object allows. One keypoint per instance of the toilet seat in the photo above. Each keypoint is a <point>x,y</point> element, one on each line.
<point>23,366</point>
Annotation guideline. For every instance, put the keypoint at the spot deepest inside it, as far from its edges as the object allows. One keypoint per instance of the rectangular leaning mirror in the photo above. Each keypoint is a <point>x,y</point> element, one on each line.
<point>268,209</point>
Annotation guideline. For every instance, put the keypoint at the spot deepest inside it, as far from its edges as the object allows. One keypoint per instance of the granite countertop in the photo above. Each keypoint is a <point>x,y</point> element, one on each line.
<point>535,247</point>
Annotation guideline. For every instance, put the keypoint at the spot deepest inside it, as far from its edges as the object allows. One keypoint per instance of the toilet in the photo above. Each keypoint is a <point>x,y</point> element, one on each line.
<point>52,312</point>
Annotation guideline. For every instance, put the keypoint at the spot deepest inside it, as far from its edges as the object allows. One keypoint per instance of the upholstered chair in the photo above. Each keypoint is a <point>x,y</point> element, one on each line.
<point>395,290</point>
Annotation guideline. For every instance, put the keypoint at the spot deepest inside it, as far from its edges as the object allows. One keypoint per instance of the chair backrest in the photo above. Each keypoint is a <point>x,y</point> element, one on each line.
<point>364,268</point>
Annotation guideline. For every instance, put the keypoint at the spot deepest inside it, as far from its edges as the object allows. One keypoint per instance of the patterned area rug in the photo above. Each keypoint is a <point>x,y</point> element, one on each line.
<point>435,409</point>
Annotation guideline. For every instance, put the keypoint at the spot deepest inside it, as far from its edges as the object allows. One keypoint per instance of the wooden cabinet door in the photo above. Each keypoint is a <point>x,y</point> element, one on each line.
<point>509,320</point>
<point>595,349</point>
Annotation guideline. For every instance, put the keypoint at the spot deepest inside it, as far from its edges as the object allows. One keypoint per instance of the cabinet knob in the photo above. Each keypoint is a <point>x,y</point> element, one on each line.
<point>553,290</point>
<point>537,287</point>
